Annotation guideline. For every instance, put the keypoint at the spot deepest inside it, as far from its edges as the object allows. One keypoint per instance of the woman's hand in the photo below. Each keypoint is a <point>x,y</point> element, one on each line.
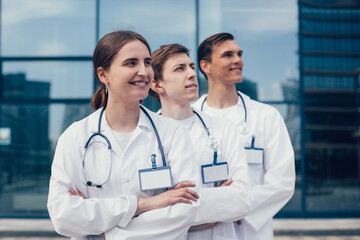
<point>76,192</point>
<point>180,193</point>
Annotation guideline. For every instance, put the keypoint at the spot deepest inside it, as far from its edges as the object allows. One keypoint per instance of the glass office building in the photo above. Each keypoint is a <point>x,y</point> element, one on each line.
<point>330,62</point>
<point>300,57</point>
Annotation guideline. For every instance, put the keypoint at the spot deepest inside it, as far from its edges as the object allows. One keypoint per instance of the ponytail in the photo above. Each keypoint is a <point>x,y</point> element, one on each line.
<point>99,99</point>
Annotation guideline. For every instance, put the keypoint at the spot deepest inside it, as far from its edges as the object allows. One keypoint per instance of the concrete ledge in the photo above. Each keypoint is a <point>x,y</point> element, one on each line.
<point>282,227</point>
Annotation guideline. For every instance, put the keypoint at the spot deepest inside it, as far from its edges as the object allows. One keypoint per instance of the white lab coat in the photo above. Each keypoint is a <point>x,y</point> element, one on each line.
<point>273,181</point>
<point>111,209</point>
<point>222,203</point>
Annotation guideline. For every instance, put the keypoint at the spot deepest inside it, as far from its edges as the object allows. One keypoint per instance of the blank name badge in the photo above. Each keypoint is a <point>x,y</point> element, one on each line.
<point>255,155</point>
<point>214,172</point>
<point>155,178</point>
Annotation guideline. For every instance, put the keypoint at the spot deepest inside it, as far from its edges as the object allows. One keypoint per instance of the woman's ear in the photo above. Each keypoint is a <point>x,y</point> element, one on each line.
<point>102,75</point>
<point>156,87</point>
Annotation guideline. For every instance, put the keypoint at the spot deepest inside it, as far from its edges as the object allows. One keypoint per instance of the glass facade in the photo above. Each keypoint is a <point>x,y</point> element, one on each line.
<point>329,59</point>
<point>47,81</point>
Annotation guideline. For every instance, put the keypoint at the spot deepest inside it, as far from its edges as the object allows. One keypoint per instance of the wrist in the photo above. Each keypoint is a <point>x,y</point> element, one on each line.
<point>141,206</point>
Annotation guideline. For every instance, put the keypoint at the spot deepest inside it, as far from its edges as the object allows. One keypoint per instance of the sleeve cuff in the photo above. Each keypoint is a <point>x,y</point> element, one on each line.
<point>132,200</point>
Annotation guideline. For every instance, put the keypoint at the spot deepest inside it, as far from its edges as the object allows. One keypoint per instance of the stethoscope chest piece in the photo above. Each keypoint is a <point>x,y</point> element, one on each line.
<point>244,129</point>
<point>213,143</point>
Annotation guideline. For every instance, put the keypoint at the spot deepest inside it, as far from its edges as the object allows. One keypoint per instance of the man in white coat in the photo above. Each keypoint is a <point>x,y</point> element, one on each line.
<point>215,141</point>
<point>270,154</point>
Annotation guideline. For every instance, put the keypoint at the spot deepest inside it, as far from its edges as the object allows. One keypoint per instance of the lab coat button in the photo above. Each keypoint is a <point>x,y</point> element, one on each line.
<point>127,180</point>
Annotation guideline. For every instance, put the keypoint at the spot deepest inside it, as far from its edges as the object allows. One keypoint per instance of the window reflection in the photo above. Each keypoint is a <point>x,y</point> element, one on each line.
<point>47,28</point>
<point>47,79</point>
<point>25,163</point>
<point>159,21</point>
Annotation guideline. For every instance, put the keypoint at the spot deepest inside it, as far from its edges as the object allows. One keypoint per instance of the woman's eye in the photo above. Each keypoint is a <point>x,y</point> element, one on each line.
<point>178,68</point>
<point>147,63</point>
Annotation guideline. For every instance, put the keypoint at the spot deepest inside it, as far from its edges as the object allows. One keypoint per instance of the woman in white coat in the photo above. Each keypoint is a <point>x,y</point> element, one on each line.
<point>98,158</point>
<point>216,141</point>
<point>270,154</point>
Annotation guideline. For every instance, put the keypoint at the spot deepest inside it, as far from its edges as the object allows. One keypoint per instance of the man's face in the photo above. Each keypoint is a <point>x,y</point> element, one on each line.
<point>179,80</point>
<point>226,63</point>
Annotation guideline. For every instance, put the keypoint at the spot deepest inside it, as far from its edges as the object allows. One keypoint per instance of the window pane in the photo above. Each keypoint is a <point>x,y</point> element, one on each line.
<point>158,21</point>
<point>47,28</point>
<point>25,163</point>
<point>47,79</point>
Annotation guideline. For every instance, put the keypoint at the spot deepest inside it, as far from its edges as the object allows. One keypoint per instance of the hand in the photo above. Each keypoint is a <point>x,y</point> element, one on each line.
<point>202,226</point>
<point>76,192</point>
<point>226,183</point>
<point>180,193</point>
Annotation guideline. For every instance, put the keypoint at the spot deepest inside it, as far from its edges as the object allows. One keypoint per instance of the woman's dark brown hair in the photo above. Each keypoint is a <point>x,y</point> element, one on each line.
<point>104,52</point>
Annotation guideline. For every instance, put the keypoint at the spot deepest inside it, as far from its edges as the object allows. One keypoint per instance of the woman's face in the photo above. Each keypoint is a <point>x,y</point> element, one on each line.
<point>130,73</point>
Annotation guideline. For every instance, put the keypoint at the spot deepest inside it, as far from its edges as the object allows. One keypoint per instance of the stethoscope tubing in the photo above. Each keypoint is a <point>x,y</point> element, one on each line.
<point>98,133</point>
<point>243,102</point>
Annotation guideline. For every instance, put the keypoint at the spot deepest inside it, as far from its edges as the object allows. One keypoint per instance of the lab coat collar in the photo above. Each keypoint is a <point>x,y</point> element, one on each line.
<point>143,125</point>
<point>237,116</point>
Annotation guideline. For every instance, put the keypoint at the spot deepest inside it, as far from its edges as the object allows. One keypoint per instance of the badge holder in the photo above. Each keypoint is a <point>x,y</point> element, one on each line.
<point>215,172</point>
<point>254,155</point>
<point>155,177</point>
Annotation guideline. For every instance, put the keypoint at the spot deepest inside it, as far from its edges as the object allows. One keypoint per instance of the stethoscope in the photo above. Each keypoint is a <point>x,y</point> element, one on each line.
<point>212,142</point>
<point>108,144</point>
<point>244,129</point>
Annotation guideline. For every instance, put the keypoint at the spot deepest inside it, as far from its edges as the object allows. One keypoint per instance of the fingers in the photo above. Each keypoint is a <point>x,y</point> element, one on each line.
<point>76,192</point>
<point>72,192</point>
<point>227,183</point>
<point>183,185</point>
<point>80,193</point>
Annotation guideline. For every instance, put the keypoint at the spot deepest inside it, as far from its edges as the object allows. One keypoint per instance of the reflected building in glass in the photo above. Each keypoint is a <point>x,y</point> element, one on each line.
<point>329,36</point>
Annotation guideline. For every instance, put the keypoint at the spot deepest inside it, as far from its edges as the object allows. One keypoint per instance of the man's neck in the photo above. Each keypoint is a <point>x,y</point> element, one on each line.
<point>221,95</point>
<point>176,111</point>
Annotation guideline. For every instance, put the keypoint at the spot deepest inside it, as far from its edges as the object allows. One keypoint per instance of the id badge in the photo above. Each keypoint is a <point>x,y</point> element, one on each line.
<point>157,178</point>
<point>255,155</point>
<point>214,172</point>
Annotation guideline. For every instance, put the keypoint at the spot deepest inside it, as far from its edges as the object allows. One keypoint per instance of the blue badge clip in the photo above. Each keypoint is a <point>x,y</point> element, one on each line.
<point>153,160</point>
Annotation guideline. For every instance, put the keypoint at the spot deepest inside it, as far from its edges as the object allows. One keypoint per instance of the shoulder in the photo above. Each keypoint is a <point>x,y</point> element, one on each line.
<point>78,128</point>
<point>262,108</point>
<point>164,124</point>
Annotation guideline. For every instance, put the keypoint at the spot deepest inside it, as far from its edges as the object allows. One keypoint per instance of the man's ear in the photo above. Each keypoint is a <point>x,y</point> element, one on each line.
<point>205,66</point>
<point>156,87</point>
<point>102,75</point>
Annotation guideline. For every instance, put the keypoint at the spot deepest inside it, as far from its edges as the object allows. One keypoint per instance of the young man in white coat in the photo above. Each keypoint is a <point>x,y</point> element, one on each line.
<point>270,154</point>
<point>216,142</point>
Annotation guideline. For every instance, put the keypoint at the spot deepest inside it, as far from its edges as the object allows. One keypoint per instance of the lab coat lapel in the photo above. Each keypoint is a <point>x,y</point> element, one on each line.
<point>143,124</point>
